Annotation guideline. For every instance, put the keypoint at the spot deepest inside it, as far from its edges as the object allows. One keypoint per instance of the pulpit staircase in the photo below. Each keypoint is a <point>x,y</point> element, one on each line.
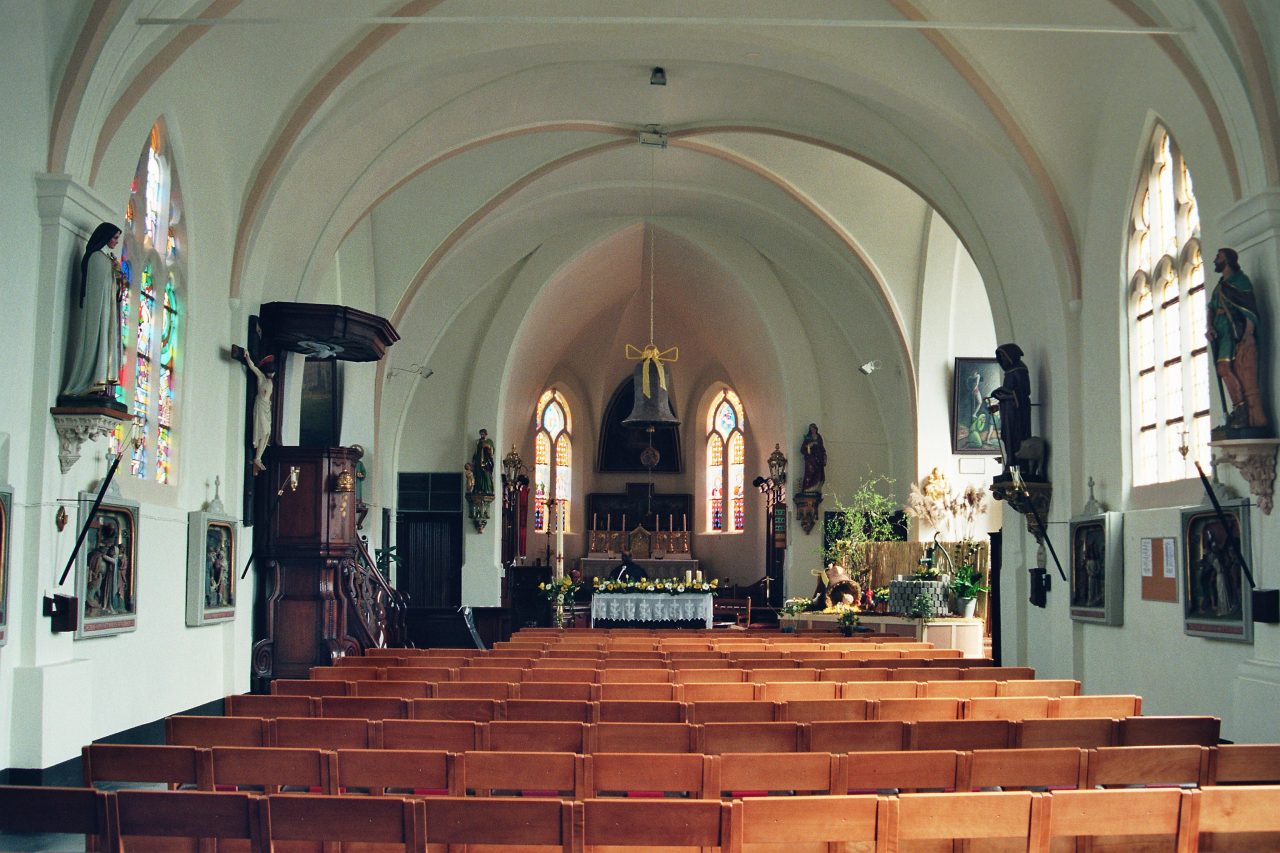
<point>375,609</point>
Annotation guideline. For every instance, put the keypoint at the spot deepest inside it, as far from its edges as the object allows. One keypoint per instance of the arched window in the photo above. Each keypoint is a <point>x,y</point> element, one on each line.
<point>151,258</point>
<point>1168,353</point>
<point>726,465</point>
<point>552,458</point>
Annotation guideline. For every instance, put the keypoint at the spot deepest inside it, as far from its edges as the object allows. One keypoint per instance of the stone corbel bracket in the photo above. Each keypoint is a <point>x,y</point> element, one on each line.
<point>1255,459</point>
<point>480,504</point>
<point>1031,496</point>
<point>76,425</point>
<point>807,509</point>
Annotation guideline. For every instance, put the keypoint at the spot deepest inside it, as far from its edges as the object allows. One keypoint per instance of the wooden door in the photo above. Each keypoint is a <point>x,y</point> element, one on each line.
<point>430,548</point>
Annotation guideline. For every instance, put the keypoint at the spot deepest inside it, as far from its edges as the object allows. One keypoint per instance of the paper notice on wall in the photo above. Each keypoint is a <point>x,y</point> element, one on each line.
<point>1145,558</point>
<point>1170,558</point>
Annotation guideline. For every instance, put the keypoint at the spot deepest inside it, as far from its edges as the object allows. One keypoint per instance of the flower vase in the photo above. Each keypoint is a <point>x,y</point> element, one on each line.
<point>557,612</point>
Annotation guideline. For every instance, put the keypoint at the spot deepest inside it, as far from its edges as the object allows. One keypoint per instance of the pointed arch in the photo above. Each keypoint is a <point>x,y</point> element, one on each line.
<point>552,459</point>
<point>726,464</point>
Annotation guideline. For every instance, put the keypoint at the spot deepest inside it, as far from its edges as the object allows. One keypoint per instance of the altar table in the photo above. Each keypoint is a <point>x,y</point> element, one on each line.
<point>671,567</point>
<point>651,607</point>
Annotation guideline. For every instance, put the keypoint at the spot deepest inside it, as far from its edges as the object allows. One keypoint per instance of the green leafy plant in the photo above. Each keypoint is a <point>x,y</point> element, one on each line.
<point>386,558</point>
<point>967,582</point>
<point>920,607</point>
<point>792,606</point>
<point>848,620</point>
<point>866,518</point>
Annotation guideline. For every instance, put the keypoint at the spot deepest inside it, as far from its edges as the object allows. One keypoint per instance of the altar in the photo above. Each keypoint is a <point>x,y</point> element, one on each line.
<point>656,607</point>
<point>603,566</point>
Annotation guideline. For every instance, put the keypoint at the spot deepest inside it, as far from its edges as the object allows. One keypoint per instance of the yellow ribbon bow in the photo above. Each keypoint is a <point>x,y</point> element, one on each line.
<point>651,355</point>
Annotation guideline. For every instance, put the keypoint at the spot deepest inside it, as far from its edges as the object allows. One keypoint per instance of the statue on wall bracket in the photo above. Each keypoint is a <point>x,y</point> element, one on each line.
<point>809,496</point>
<point>478,474</point>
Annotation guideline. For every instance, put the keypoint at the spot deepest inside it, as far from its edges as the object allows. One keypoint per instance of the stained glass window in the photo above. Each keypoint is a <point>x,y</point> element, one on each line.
<point>150,313</point>
<point>1168,362</point>
<point>554,430</point>
<point>726,465</point>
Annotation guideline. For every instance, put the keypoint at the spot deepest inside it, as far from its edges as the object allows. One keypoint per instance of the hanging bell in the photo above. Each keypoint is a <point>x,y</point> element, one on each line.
<point>653,410</point>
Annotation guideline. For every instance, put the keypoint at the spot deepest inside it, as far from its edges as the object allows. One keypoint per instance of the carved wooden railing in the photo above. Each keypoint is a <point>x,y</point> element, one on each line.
<point>375,609</point>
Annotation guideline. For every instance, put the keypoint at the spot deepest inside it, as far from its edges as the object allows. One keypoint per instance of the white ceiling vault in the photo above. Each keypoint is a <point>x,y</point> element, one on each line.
<point>823,138</point>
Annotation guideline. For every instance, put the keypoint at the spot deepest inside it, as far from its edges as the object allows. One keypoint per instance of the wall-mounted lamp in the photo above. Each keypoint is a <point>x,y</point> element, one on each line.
<point>420,369</point>
<point>658,77</point>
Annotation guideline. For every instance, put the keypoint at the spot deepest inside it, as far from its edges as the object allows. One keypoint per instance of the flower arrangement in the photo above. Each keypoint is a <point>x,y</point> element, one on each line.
<point>955,516</point>
<point>792,606</point>
<point>560,588</point>
<point>881,594</point>
<point>848,619</point>
<point>670,586</point>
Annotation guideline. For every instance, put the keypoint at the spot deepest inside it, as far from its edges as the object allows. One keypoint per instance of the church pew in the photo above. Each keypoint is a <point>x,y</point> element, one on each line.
<point>492,674</point>
<point>309,687</point>
<point>1081,732</point>
<point>542,774</point>
<point>920,709</point>
<point>925,673</point>
<point>784,676</point>
<point>502,690</point>
<point>550,709</point>
<point>999,673</point>
<point>933,654</point>
<point>272,769</point>
<point>619,675</point>
<point>644,737</point>
<point>964,735</point>
<point>399,689</point>
<point>170,766</point>
<point>503,660</point>
<point>1232,818</point>
<point>30,810</point>
<point>359,660</point>
<point>588,676</point>
<point>390,822</point>
<point>216,731</point>
<point>389,771</point>
<point>1156,731</point>
<point>591,663</point>
<point>473,823</point>
<point>558,690</point>
<point>573,654</point>
<point>753,774</point>
<point>368,707</point>
<point>741,691</point>
<point>1245,764</point>
<point>753,665</point>
<point>1148,765</point>
<point>653,774</point>
<point>653,823</point>
<point>346,673</point>
<point>804,823</point>
<point>323,732</point>
<point>842,736</point>
<point>880,689</point>
<point>1053,687</point>
<point>1114,706</point>
<point>1116,819</point>
<point>854,674</point>
<point>811,710</point>
<point>709,676</point>
<point>148,816</point>
<point>1010,707</point>
<point>539,736</point>
<point>638,692</point>
<point>476,710</point>
<point>734,711</point>
<point>716,738</point>
<point>632,665</point>
<point>958,689</point>
<point>271,705</point>
<point>631,711</point>
<point>421,673</point>
<point>445,735</point>
<point>868,772</point>
<point>873,654</point>
<point>1054,767</point>
<point>984,819</point>
<point>785,691</point>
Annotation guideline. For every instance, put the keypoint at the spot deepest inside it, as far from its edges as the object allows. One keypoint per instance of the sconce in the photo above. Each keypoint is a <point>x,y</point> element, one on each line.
<point>345,485</point>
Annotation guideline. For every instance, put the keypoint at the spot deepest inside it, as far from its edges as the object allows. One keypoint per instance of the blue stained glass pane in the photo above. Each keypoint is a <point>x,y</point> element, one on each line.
<point>553,419</point>
<point>726,419</point>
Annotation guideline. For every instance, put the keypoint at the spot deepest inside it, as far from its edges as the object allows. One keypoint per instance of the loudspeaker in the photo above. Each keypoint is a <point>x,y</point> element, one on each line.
<point>1040,585</point>
<point>1266,606</point>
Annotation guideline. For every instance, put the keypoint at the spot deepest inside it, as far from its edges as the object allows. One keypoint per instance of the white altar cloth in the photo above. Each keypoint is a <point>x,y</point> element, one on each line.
<point>651,607</point>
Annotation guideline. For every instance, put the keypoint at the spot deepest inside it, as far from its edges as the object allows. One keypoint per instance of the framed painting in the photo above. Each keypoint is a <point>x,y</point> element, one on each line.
<point>1216,596</point>
<point>211,569</point>
<point>107,568</point>
<point>1097,569</point>
<point>974,430</point>
<point>6,525</point>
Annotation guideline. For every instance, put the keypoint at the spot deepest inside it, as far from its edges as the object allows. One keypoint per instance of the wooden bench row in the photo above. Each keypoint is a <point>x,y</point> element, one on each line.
<point>1027,821</point>
<point>486,773</point>
<point>668,692</point>
<point>458,657</point>
<point>902,670</point>
<point>798,702</point>
<point>837,736</point>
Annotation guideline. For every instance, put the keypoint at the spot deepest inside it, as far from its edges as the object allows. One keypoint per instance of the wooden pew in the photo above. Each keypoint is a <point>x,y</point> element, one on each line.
<point>549,774</point>
<point>1081,732</point>
<point>644,737</point>
<point>539,736</point>
<point>308,687</point>
<point>171,766</point>
<point>655,823</point>
<point>858,735</point>
<point>522,822</point>
<point>716,738</point>
<point>982,819</point>
<point>272,769</point>
<point>148,816</point>
<point>272,705</point>
<point>475,710</point>
<point>323,732</point>
<point>1148,765</point>
<point>1231,818</point>
<point>627,711</point>
<point>1158,731</point>
<point>813,710</point>
<point>28,810</point>
<point>216,731</point>
<point>1055,767</point>
<point>358,820</point>
<point>1116,819</point>
<point>650,774</point>
<point>804,823</point>
<point>751,774</point>
<point>558,690</point>
<point>394,771</point>
<point>964,735</point>
<point>740,711</point>
<point>444,735</point>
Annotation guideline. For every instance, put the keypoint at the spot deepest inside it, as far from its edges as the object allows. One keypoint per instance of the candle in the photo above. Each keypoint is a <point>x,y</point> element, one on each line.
<point>671,522</point>
<point>699,576</point>
<point>593,522</point>
<point>688,576</point>
<point>658,523</point>
<point>608,521</point>
<point>624,521</point>
<point>684,521</point>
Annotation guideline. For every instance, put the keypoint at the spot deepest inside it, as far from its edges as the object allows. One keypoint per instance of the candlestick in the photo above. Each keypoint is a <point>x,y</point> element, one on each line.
<point>559,573</point>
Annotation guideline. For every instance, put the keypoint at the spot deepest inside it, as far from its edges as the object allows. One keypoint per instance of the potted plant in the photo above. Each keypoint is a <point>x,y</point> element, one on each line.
<point>867,518</point>
<point>966,586</point>
<point>847,621</point>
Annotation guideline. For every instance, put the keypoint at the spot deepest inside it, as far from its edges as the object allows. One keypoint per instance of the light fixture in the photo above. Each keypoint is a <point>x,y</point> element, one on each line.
<point>653,136</point>
<point>658,77</point>
<point>869,368</point>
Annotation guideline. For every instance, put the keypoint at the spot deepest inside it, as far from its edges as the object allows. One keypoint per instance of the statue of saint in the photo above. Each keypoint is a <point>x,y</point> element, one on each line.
<point>1013,401</point>
<point>93,369</point>
<point>1234,337</point>
<point>482,464</point>
<point>815,460</point>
